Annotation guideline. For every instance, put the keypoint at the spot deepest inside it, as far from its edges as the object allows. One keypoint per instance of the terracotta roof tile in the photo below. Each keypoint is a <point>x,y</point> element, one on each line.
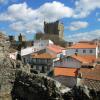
<point>83,45</point>
<point>85,58</point>
<point>56,48</point>
<point>43,56</point>
<point>91,73</point>
<point>92,84</point>
<point>58,71</point>
<point>68,81</point>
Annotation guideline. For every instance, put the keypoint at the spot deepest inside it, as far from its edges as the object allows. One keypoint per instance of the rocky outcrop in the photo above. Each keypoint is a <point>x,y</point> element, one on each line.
<point>40,87</point>
<point>8,70</point>
<point>17,83</point>
<point>35,87</point>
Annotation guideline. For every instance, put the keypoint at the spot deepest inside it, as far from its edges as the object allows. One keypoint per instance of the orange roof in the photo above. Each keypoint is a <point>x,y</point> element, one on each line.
<point>62,71</point>
<point>84,58</point>
<point>43,56</point>
<point>83,46</point>
<point>56,48</point>
<point>91,73</point>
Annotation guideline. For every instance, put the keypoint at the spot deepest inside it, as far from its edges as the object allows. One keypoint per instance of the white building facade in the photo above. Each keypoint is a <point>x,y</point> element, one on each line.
<point>83,49</point>
<point>68,62</point>
<point>25,54</point>
<point>41,44</point>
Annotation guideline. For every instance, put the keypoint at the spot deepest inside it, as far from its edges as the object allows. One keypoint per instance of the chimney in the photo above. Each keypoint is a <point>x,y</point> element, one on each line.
<point>76,53</point>
<point>79,80</point>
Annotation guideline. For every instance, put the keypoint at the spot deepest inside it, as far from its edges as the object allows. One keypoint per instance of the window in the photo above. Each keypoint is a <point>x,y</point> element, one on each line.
<point>91,51</point>
<point>39,61</point>
<point>61,56</point>
<point>45,61</point>
<point>58,55</point>
<point>34,60</point>
<point>42,61</point>
<point>31,66</point>
<point>43,69</point>
<point>27,60</point>
<point>84,51</point>
<point>76,50</point>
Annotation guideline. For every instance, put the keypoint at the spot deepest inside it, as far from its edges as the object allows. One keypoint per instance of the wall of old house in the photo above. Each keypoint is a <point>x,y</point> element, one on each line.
<point>80,51</point>
<point>68,62</point>
<point>41,44</point>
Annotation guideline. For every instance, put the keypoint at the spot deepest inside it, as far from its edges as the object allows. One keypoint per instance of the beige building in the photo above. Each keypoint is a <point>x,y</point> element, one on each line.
<point>83,48</point>
<point>42,62</point>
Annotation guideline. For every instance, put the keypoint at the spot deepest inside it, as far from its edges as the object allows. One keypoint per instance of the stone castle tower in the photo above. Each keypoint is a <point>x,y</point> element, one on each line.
<point>55,28</point>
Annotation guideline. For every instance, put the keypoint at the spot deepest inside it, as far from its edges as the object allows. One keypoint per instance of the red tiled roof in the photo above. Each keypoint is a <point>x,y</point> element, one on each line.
<point>56,48</point>
<point>83,46</point>
<point>84,58</point>
<point>92,84</point>
<point>43,56</point>
<point>91,73</point>
<point>62,71</point>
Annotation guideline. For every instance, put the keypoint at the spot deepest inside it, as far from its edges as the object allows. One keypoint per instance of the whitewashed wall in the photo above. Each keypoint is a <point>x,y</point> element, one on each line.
<point>25,53</point>
<point>64,52</point>
<point>27,58</point>
<point>80,51</point>
<point>13,55</point>
<point>68,62</point>
<point>97,51</point>
<point>41,44</point>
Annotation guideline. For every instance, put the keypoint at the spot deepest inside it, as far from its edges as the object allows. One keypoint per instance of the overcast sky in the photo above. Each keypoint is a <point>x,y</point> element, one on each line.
<point>81,18</point>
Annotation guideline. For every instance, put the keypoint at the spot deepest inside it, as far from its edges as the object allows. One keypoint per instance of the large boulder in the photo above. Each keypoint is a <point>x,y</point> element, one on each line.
<point>8,70</point>
<point>35,87</point>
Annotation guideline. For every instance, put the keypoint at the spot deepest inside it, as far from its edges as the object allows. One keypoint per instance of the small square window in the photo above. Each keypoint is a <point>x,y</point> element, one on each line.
<point>91,51</point>
<point>76,50</point>
<point>84,51</point>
